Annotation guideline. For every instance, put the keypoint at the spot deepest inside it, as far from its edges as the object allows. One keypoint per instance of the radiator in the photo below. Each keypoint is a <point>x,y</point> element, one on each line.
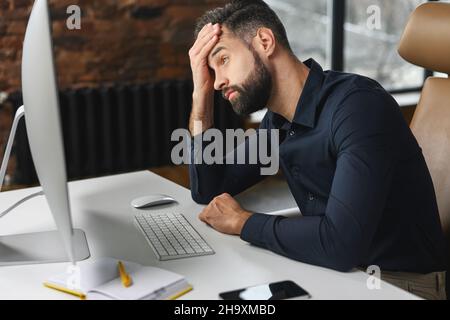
<point>110,130</point>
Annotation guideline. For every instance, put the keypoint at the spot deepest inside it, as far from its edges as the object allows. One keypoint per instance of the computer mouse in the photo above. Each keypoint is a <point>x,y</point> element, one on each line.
<point>151,201</point>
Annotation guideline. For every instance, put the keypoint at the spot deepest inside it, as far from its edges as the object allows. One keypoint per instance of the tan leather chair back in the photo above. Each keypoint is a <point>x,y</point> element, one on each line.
<point>426,39</point>
<point>431,126</point>
<point>426,43</point>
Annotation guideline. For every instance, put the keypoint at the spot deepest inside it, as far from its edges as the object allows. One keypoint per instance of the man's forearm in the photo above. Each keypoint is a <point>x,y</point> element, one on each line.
<point>202,115</point>
<point>310,239</point>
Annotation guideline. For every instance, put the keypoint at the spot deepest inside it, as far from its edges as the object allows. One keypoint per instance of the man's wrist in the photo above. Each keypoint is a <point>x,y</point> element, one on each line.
<point>199,95</point>
<point>202,112</point>
<point>243,218</point>
<point>199,125</point>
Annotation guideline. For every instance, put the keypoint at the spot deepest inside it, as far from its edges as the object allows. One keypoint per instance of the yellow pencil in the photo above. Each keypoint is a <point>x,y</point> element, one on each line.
<point>78,294</point>
<point>176,296</point>
<point>124,276</point>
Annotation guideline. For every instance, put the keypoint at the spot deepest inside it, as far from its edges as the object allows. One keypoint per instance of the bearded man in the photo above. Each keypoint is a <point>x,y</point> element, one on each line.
<point>352,164</point>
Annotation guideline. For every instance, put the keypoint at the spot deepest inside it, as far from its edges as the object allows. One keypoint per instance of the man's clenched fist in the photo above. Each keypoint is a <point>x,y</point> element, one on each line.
<point>225,215</point>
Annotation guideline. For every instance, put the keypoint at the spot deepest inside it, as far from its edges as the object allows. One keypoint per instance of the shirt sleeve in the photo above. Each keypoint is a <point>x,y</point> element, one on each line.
<point>363,136</point>
<point>210,180</point>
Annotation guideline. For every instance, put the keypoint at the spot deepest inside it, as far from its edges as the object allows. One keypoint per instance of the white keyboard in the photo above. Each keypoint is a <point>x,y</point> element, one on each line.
<point>171,236</point>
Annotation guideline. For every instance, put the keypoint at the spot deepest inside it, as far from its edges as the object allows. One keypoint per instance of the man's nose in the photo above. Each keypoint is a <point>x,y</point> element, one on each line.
<point>220,82</point>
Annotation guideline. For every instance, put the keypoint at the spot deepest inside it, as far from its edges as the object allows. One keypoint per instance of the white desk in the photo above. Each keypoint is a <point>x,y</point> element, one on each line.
<point>101,208</point>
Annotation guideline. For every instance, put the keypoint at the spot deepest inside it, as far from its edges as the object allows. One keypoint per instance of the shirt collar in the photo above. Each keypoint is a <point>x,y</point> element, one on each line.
<point>307,106</point>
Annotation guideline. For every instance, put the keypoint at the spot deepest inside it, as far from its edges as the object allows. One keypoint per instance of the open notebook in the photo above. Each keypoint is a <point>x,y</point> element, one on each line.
<point>99,279</point>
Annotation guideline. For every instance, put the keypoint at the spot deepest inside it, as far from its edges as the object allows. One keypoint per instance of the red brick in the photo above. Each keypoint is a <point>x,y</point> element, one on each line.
<point>16,28</point>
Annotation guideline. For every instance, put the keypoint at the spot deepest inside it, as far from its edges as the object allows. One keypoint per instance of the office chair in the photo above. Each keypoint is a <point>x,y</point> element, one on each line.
<point>426,43</point>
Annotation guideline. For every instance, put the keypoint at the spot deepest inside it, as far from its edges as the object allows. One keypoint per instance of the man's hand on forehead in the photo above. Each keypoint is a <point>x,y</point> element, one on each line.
<point>206,40</point>
<point>203,94</point>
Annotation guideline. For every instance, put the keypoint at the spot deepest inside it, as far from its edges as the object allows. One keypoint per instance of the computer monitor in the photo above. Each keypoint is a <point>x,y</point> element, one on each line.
<point>43,124</point>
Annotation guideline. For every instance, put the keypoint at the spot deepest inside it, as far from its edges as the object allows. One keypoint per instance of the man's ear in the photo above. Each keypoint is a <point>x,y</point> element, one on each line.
<point>265,41</point>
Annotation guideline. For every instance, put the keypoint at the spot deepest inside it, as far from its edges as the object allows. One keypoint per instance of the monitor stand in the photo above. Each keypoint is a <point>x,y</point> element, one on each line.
<point>35,248</point>
<point>38,248</point>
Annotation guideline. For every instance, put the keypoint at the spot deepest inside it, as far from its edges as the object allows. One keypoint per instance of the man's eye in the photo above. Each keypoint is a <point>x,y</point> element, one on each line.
<point>225,60</point>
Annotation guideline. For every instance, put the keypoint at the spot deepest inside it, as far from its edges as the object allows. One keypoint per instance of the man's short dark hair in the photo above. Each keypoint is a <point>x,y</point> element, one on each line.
<point>244,18</point>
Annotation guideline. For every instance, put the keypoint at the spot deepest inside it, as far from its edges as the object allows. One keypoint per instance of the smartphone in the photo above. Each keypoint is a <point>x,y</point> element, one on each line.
<point>272,291</point>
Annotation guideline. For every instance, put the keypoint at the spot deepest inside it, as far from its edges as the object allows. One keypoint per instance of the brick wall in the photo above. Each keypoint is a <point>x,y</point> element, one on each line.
<point>120,41</point>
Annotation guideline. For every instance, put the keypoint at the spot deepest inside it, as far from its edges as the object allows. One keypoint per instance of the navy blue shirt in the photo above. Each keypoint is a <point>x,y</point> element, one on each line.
<point>357,174</point>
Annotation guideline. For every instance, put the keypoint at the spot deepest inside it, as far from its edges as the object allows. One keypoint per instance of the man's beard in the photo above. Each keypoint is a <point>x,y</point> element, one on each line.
<point>253,95</point>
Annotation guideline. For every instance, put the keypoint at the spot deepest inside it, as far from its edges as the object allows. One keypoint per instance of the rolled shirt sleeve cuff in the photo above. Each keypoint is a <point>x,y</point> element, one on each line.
<point>253,230</point>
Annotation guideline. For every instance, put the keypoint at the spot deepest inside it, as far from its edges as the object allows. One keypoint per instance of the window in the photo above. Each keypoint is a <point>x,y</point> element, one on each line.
<point>373,29</point>
<point>347,35</point>
<point>308,25</point>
